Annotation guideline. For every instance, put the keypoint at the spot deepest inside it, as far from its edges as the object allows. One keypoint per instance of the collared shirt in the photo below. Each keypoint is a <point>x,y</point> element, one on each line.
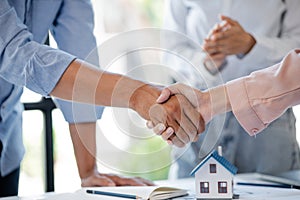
<point>273,23</point>
<point>279,89</point>
<point>25,62</point>
<point>275,26</point>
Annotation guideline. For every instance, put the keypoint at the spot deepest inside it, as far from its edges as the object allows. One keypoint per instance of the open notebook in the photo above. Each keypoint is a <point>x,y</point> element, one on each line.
<point>145,193</point>
<point>150,192</point>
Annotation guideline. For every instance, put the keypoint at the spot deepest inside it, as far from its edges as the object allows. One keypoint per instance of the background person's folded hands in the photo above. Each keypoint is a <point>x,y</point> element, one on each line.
<point>228,38</point>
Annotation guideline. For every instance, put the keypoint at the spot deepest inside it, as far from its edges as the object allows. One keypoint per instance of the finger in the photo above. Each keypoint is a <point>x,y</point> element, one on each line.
<point>220,47</point>
<point>195,117</point>
<point>196,138</point>
<point>167,133</point>
<point>228,19</point>
<point>213,47</point>
<point>122,181</point>
<point>218,36</point>
<point>187,91</point>
<point>189,130</point>
<point>149,124</point>
<point>159,129</point>
<point>170,142</point>
<point>213,30</point>
<point>164,96</point>
<point>98,180</point>
<point>182,135</point>
<point>214,61</point>
<point>208,44</point>
<point>158,116</point>
<point>177,142</point>
<point>212,50</point>
<point>221,38</point>
<point>175,88</point>
<point>190,119</point>
<point>224,25</point>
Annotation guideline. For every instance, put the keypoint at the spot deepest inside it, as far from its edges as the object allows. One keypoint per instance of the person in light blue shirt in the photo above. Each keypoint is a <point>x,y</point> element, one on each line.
<point>71,24</point>
<point>257,34</point>
<point>24,61</point>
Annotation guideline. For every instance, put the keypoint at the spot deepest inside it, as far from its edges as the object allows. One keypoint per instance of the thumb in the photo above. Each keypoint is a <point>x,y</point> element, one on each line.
<point>164,96</point>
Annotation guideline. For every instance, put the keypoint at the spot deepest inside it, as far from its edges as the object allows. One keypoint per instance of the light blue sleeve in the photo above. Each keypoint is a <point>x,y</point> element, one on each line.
<point>274,49</point>
<point>192,72</point>
<point>24,62</point>
<point>73,33</point>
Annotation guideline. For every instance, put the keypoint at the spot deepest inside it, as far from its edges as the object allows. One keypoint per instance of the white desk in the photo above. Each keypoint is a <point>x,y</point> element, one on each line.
<point>245,192</point>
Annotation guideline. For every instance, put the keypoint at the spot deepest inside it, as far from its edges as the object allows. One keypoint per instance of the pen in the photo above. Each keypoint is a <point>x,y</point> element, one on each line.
<point>270,185</point>
<point>128,196</point>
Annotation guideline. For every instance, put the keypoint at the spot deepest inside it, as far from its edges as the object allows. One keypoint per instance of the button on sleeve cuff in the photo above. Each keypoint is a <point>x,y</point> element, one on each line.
<point>241,107</point>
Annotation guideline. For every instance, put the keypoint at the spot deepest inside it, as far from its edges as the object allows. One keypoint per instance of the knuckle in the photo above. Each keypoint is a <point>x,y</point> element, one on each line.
<point>184,137</point>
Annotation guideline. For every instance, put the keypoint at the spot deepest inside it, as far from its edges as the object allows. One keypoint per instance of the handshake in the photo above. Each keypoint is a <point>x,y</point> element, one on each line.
<point>178,112</point>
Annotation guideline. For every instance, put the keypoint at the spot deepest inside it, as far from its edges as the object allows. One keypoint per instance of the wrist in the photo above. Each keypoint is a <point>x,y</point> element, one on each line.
<point>88,173</point>
<point>250,42</point>
<point>204,105</point>
<point>217,101</point>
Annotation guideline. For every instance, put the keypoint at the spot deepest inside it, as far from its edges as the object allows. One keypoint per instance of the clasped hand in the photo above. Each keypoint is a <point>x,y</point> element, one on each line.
<point>224,39</point>
<point>176,113</point>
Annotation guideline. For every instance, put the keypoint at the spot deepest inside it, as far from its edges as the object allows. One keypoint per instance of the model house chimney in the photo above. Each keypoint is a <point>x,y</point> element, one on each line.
<point>220,150</point>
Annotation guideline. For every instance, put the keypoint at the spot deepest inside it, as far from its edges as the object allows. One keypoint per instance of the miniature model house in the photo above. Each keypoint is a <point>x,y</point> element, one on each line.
<point>214,177</point>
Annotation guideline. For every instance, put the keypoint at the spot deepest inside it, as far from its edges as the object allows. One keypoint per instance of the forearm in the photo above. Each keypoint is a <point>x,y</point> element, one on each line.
<point>83,83</point>
<point>84,144</point>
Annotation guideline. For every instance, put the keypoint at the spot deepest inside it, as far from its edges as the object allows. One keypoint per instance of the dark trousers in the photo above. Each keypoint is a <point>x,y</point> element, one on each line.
<point>9,184</point>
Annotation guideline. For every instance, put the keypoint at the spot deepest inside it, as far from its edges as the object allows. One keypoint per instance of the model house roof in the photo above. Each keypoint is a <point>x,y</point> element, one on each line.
<point>231,168</point>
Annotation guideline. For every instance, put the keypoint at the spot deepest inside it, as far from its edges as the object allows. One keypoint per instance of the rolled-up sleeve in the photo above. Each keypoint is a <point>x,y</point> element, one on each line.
<point>24,62</point>
<point>263,96</point>
<point>73,33</point>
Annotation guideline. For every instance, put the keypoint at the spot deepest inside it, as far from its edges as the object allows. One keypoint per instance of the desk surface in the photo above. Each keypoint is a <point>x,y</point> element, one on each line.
<point>244,192</point>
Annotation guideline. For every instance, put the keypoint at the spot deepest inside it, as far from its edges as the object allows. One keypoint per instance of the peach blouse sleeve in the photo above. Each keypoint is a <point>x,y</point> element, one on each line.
<point>264,95</point>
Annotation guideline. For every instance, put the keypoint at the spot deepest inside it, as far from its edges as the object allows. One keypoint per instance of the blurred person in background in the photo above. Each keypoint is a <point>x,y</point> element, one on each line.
<point>71,24</point>
<point>248,36</point>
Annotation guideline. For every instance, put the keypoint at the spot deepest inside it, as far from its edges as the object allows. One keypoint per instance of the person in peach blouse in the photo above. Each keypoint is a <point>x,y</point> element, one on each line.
<point>235,42</point>
<point>255,109</point>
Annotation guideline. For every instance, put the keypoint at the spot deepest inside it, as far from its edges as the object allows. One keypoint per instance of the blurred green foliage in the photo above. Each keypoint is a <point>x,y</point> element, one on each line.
<point>153,9</point>
<point>148,159</point>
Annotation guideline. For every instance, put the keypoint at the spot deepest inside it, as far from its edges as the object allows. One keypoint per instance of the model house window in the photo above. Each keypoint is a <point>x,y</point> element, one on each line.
<point>204,187</point>
<point>222,187</point>
<point>213,168</point>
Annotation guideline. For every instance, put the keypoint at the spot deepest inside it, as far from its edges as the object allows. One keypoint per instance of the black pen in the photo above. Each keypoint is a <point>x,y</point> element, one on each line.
<point>269,185</point>
<point>113,194</point>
